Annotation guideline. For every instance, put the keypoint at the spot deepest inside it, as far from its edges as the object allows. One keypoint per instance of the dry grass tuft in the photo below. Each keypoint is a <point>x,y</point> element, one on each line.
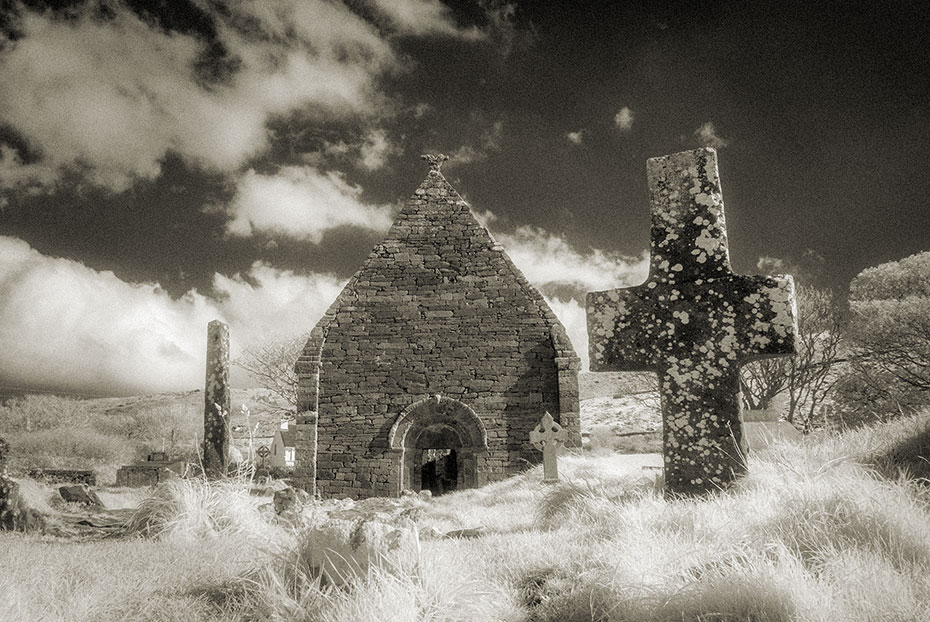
<point>197,509</point>
<point>826,531</point>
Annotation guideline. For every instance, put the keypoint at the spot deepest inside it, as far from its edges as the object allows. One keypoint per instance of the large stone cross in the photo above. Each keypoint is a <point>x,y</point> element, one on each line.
<point>694,322</point>
<point>546,437</point>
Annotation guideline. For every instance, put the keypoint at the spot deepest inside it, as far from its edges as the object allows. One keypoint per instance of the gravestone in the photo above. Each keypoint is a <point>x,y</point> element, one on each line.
<point>9,492</point>
<point>693,322</point>
<point>546,437</point>
<point>80,493</point>
<point>765,427</point>
<point>157,467</point>
<point>216,402</point>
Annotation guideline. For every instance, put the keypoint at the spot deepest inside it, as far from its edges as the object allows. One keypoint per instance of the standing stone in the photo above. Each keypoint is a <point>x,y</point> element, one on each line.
<point>694,322</point>
<point>216,402</point>
<point>9,491</point>
<point>547,437</point>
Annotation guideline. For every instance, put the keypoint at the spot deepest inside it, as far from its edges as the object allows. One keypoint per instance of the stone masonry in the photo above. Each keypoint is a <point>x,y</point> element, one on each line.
<point>437,345</point>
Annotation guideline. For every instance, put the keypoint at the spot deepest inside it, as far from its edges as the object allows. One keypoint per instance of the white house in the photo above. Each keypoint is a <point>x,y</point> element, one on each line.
<point>282,447</point>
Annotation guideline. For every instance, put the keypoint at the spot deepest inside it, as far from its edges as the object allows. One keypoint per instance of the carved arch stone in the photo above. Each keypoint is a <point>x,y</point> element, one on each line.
<point>438,423</point>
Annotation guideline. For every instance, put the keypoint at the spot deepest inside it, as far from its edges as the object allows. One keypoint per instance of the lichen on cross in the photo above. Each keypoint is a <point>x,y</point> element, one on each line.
<point>435,161</point>
<point>694,322</point>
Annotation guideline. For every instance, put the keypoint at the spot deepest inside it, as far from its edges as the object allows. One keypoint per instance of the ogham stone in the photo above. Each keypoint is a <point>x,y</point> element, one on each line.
<point>693,322</point>
<point>216,401</point>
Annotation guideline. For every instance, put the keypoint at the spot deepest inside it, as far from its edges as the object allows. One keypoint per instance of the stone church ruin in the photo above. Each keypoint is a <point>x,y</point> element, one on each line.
<point>433,365</point>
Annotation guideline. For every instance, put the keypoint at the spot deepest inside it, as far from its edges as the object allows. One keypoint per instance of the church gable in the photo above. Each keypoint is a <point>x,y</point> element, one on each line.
<point>437,309</point>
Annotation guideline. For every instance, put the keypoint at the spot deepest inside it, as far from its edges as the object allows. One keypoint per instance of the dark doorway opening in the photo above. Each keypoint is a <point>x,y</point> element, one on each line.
<point>440,471</point>
<point>441,445</point>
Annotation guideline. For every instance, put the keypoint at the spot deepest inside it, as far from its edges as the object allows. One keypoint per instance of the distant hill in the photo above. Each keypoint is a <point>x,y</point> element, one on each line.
<point>63,432</point>
<point>623,403</point>
<point>615,399</point>
<point>265,413</point>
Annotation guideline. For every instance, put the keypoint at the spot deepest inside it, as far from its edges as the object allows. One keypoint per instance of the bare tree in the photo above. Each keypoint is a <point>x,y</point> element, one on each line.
<point>811,377</point>
<point>807,377</point>
<point>272,366</point>
<point>762,381</point>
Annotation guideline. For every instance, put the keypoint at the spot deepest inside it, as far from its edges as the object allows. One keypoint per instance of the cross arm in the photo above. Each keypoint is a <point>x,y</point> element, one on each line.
<point>618,338</point>
<point>767,317</point>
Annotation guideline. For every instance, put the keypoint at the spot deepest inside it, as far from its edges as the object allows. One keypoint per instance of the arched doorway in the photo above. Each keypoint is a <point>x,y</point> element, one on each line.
<point>441,445</point>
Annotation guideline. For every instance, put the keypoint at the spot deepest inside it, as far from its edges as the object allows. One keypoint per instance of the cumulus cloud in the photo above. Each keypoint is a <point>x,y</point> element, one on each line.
<point>424,17</point>
<point>573,317</point>
<point>624,119</point>
<point>547,259</point>
<point>15,172</point>
<point>68,326</point>
<point>268,303</point>
<point>110,98</point>
<point>488,142</point>
<point>575,137</point>
<point>770,265</point>
<point>564,274</point>
<point>369,152</point>
<point>707,136</point>
<point>806,269</point>
<point>375,150</point>
<point>300,202</point>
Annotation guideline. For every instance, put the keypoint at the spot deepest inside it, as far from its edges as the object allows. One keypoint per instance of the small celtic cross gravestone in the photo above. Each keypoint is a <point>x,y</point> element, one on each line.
<point>546,437</point>
<point>694,322</point>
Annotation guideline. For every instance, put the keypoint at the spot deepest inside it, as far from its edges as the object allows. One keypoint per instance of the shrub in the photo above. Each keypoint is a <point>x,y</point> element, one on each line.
<point>171,426</point>
<point>67,449</point>
<point>890,333</point>
<point>42,412</point>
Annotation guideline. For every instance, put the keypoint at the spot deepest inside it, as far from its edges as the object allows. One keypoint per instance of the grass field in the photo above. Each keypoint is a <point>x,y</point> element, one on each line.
<point>829,530</point>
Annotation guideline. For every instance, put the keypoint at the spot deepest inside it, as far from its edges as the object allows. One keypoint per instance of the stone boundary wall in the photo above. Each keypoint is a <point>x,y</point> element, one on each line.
<point>64,476</point>
<point>138,476</point>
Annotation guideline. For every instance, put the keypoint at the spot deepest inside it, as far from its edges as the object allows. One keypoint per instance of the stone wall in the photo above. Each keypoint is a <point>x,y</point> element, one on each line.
<point>436,309</point>
<point>140,475</point>
<point>64,476</point>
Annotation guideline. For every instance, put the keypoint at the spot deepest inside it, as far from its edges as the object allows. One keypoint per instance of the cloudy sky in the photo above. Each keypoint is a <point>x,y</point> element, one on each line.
<point>162,167</point>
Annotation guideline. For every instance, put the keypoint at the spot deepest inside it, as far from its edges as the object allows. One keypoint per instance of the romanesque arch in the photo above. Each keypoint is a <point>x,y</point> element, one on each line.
<point>438,433</point>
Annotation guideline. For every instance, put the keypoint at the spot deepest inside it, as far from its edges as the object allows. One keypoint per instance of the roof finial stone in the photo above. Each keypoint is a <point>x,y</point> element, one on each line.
<point>435,161</point>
